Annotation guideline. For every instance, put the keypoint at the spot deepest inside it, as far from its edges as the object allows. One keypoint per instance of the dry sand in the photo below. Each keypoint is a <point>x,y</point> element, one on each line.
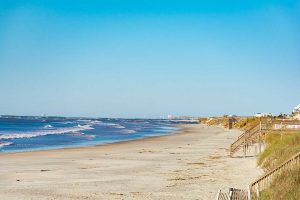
<point>192,164</point>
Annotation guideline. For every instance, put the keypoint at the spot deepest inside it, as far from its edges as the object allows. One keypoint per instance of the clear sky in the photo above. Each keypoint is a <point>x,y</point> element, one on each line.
<point>149,58</point>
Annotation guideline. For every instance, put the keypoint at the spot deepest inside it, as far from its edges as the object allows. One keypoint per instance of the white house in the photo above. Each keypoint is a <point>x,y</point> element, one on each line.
<point>263,115</point>
<point>296,112</point>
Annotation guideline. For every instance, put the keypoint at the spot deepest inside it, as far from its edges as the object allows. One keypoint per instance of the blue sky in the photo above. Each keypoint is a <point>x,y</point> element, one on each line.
<point>141,58</point>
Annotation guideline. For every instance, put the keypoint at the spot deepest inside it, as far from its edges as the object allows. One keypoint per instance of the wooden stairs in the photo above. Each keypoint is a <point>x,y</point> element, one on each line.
<point>247,138</point>
<point>250,136</point>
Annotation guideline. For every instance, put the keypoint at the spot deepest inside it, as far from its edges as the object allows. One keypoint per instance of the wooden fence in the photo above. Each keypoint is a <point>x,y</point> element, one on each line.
<point>233,194</point>
<point>263,182</point>
<point>222,196</point>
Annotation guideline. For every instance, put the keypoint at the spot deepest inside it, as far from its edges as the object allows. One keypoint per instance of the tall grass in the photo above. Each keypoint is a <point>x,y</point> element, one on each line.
<point>285,186</point>
<point>279,148</point>
<point>244,123</point>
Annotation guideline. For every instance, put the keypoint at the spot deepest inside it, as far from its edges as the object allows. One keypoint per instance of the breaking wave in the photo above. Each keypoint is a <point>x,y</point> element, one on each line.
<point>45,132</point>
<point>5,144</point>
<point>111,125</point>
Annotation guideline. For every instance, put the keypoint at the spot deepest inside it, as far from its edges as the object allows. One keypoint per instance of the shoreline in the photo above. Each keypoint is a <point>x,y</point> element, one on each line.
<point>178,126</point>
<point>192,163</point>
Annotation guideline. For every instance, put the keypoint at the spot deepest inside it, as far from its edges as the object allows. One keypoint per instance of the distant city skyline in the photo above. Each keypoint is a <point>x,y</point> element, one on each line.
<point>149,58</point>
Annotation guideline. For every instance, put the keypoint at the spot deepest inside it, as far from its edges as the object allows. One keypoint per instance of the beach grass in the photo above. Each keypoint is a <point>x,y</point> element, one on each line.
<point>286,186</point>
<point>246,122</point>
<point>281,147</point>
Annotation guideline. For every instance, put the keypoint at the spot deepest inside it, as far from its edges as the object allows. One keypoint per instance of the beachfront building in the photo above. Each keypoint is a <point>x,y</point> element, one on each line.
<point>263,115</point>
<point>296,112</point>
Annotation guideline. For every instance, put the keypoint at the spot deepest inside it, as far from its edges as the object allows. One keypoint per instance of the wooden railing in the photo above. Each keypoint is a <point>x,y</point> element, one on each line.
<point>245,138</point>
<point>263,182</point>
<point>254,133</point>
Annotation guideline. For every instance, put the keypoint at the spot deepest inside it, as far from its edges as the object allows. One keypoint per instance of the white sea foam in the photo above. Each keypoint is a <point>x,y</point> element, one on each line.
<point>90,137</point>
<point>119,126</point>
<point>112,125</point>
<point>44,132</point>
<point>67,122</point>
<point>167,128</point>
<point>79,134</point>
<point>127,131</point>
<point>85,120</point>
<point>96,122</point>
<point>5,144</point>
<point>48,126</point>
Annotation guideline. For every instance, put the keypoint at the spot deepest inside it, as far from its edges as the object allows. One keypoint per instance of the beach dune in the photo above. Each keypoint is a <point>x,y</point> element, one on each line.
<point>191,164</point>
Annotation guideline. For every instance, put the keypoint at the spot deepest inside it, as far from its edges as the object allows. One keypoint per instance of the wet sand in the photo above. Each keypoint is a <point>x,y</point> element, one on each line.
<point>191,164</point>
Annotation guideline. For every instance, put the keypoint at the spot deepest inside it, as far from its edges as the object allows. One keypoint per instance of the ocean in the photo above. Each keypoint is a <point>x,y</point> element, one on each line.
<point>40,133</point>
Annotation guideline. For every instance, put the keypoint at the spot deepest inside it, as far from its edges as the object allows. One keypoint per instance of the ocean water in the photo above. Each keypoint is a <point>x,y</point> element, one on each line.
<point>40,133</point>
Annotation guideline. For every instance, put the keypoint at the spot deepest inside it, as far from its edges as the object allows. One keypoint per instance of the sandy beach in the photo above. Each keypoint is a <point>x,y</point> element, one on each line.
<point>191,164</point>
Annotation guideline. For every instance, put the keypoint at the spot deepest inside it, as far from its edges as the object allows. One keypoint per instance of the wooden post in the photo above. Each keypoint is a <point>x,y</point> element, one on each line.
<point>259,137</point>
<point>230,122</point>
<point>230,193</point>
<point>249,193</point>
<point>218,195</point>
<point>244,146</point>
<point>281,130</point>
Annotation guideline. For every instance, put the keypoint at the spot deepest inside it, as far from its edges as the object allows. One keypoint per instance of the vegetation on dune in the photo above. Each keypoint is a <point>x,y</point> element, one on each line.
<point>202,120</point>
<point>238,122</point>
<point>244,123</point>
<point>286,186</point>
<point>281,147</point>
<point>215,121</point>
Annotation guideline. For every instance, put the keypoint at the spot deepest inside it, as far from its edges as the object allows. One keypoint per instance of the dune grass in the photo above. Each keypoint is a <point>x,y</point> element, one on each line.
<point>281,147</point>
<point>245,123</point>
<point>286,186</point>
